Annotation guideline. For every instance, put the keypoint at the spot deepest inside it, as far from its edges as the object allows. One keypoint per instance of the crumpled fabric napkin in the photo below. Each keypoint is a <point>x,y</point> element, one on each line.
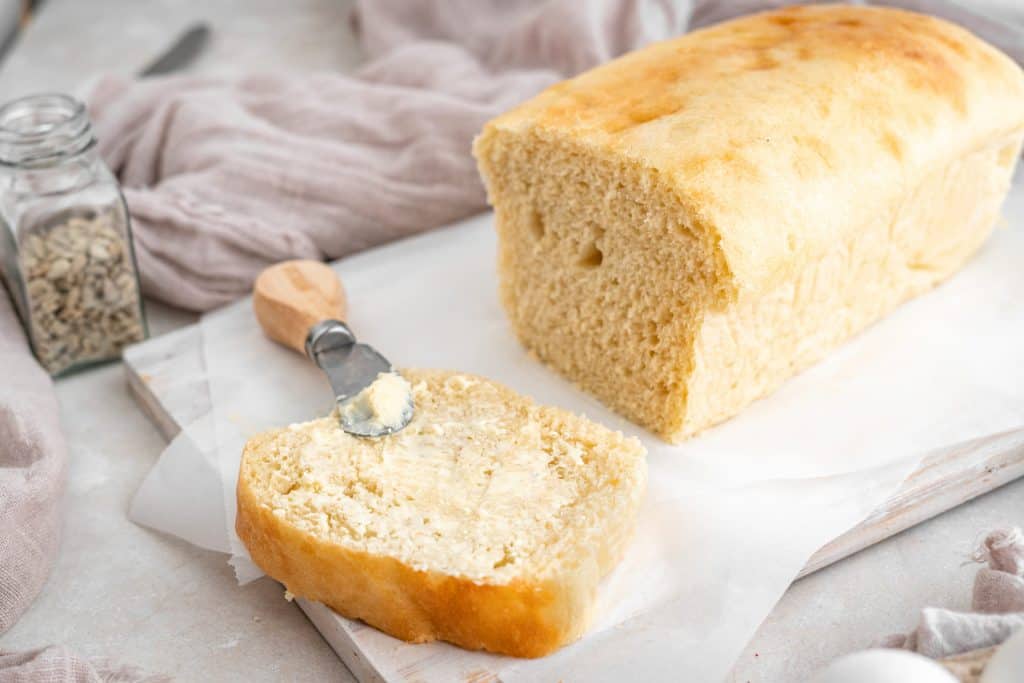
<point>33,456</point>
<point>224,178</point>
<point>58,664</point>
<point>998,604</point>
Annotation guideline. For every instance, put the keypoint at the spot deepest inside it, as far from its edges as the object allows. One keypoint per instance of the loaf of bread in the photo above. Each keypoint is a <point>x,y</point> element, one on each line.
<point>487,522</point>
<point>686,227</point>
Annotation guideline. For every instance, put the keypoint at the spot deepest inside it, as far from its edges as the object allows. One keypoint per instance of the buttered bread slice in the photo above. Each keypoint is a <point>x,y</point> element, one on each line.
<point>683,229</point>
<point>487,522</point>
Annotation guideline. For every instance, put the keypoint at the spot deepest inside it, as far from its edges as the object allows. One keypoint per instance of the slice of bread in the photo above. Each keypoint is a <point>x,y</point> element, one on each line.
<point>487,522</point>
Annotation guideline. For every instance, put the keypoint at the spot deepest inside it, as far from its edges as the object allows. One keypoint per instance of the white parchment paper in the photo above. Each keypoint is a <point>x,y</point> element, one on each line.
<point>730,517</point>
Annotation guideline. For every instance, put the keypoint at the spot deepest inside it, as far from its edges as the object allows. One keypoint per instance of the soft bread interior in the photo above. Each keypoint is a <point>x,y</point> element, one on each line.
<point>604,271</point>
<point>483,484</point>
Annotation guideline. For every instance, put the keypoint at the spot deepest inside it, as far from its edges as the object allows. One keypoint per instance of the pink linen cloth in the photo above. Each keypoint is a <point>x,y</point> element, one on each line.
<point>32,465</point>
<point>58,664</point>
<point>225,177</point>
<point>998,604</point>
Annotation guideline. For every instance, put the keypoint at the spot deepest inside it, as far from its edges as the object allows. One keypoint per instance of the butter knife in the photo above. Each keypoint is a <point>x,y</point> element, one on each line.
<point>301,304</point>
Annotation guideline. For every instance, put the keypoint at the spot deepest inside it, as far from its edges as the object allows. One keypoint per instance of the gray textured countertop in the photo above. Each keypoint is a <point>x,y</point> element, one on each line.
<point>123,591</point>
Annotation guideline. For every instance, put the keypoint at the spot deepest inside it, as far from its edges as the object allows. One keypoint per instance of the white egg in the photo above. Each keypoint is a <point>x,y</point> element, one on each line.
<point>1007,664</point>
<point>884,666</point>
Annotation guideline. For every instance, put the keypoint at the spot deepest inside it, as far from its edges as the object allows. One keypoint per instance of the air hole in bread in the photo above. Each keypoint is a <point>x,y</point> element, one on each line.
<point>591,257</point>
<point>537,228</point>
<point>506,559</point>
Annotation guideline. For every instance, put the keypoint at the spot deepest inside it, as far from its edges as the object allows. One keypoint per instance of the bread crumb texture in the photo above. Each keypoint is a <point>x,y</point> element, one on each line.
<point>684,228</point>
<point>487,521</point>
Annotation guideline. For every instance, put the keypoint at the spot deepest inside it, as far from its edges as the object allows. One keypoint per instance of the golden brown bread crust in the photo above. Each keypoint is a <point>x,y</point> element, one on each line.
<point>763,118</point>
<point>521,620</point>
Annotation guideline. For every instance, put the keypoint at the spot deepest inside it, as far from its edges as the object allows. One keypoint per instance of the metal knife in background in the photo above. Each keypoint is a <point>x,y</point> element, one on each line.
<point>181,53</point>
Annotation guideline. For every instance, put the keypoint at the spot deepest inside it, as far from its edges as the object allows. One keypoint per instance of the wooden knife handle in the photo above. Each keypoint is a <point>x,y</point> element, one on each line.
<point>292,296</point>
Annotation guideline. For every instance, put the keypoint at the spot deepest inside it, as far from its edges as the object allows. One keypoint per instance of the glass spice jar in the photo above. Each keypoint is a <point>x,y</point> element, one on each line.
<point>66,251</point>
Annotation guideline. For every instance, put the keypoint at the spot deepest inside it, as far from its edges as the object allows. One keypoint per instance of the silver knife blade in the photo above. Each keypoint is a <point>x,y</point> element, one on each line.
<point>350,368</point>
<point>181,53</point>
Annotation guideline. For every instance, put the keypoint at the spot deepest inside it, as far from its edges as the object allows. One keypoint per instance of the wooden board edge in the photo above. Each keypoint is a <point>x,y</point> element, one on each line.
<point>340,640</point>
<point>928,492</point>
<point>149,404</point>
